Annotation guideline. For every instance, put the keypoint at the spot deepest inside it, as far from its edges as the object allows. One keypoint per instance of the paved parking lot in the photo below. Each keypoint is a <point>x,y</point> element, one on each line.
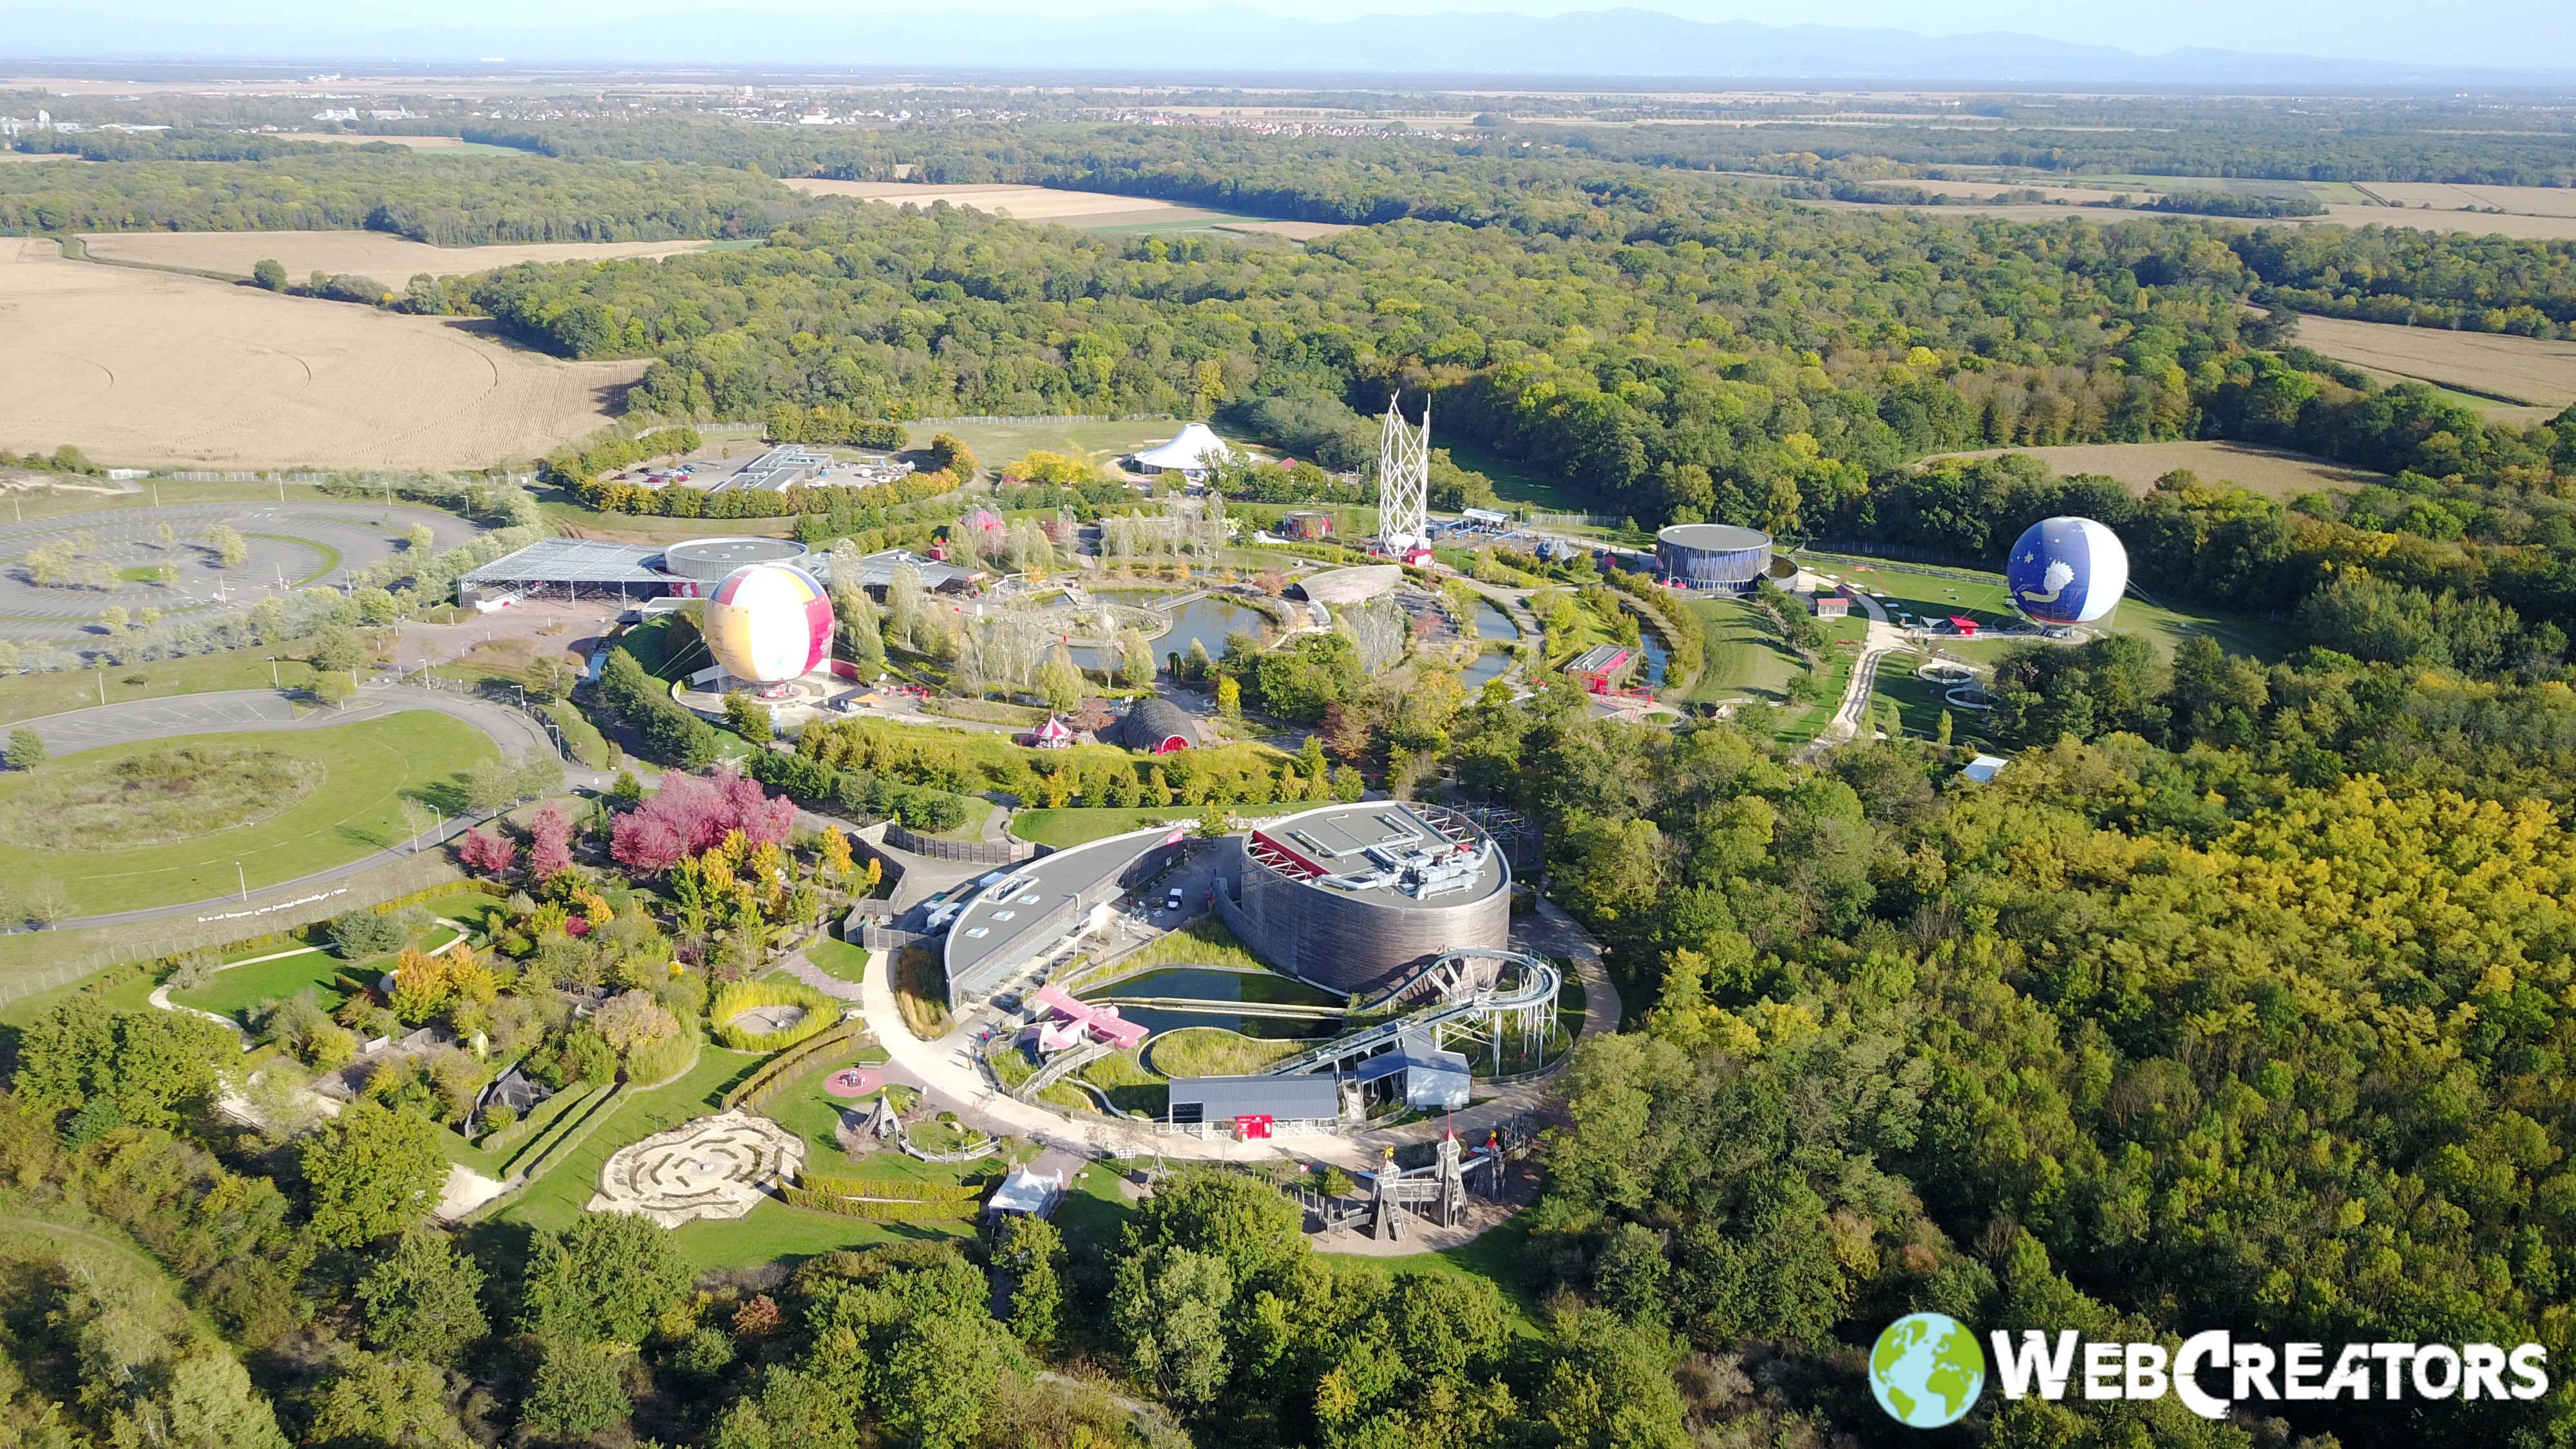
<point>297,544</point>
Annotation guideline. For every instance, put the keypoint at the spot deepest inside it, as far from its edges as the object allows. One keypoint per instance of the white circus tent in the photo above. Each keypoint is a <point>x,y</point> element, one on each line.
<point>1194,448</point>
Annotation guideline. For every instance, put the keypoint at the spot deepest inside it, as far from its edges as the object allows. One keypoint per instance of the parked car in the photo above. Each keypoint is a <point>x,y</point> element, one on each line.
<point>1172,902</point>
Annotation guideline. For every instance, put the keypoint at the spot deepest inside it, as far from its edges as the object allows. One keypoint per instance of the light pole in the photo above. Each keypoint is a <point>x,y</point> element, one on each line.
<point>273,681</point>
<point>244,877</point>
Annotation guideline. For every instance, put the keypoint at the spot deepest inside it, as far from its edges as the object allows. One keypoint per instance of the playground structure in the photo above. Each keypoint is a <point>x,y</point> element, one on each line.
<point>1436,1193</point>
<point>852,1083</point>
<point>717,1167</point>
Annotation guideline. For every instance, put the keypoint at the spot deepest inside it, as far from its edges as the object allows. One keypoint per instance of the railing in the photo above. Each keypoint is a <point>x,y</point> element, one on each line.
<point>1539,987</point>
<point>988,852</point>
<point>1059,1066</point>
<point>888,938</point>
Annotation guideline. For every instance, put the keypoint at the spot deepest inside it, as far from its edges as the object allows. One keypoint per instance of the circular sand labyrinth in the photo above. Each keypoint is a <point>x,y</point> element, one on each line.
<point>714,1167</point>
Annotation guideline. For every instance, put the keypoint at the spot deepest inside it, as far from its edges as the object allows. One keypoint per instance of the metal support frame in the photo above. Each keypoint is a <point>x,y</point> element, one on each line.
<point>1403,479</point>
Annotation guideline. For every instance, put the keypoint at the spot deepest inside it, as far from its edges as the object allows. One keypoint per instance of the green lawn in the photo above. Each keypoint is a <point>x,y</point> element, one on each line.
<point>978,810</point>
<point>1213,1051</point>
<point>1077,824</point>
<point>238,990</point>
<point>29,696</point>
<point>370,765</point>
<point>1520,483</point>
<point>1742,654</point>
<point>776,1233</point>
<point>838,958</point>
<point>1981,596</point>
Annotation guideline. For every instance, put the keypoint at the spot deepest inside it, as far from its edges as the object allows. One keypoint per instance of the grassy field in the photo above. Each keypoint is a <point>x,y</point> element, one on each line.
<point>32,696</point>
<point>158,794</point>
<point>1076,824</point>
<point>1981,596</point>
<point>1213,1051</point>
<point>1742,655</point>
<point>838,958</point>
<point>368,768</point>
<point>1520,483</point>
<point>2272,472</point>
<point>1800,723</point>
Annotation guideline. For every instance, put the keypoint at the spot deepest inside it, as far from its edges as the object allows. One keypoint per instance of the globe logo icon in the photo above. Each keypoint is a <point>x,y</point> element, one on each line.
<point>1926,1370</point>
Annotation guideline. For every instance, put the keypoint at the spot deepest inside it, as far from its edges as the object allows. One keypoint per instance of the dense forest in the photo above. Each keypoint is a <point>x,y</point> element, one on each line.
<point>470,200</point>
<point>2350,141</point>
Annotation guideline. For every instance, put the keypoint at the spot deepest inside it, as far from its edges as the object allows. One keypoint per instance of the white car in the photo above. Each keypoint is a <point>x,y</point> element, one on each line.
<point>1172,902</point>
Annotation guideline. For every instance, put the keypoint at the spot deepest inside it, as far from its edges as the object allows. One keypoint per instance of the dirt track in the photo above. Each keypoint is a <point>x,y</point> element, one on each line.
<point>154,369</point>
<point>390,259</point>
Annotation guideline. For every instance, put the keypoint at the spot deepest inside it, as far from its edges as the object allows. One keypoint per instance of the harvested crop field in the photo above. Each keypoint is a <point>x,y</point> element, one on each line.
<point>1085,210</point>
<point>2525,370</point>
<point>2442,196</point>
<point>158,370</point>
<point>390,259</point>
<point>2526,228</point>
<point>2269,471</point>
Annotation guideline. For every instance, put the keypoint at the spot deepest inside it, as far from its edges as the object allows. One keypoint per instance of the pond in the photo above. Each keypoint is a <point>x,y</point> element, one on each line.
<point>1200,983</point>
<point>1657,657</point>
<point>1206,620</point>
<point>1482,668</point>
<point>1493,623</point>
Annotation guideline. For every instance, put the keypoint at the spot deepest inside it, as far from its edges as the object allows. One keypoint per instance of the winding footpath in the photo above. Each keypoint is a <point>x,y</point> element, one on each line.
<point>246,710</point>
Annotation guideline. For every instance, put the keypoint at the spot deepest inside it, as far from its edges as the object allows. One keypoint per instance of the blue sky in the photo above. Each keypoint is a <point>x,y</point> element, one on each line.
<point>2515,33</point>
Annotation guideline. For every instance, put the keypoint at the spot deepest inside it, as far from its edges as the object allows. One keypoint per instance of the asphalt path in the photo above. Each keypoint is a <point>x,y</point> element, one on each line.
<point>241,710</point>
<point>297,544</point>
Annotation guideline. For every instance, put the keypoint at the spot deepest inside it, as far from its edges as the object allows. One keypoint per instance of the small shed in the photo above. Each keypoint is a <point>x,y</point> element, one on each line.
<point>1832,606</point>
<point>1307,525</point>
<point>1255,1106</point>
<point>1418,1073</point>
<point>1603,667</point>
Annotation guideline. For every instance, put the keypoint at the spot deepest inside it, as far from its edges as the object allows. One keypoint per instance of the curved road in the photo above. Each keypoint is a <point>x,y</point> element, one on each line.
<point>240,710</point>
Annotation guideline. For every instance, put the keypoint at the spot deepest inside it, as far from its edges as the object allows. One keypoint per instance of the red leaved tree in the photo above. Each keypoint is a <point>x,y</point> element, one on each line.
<point>550,842</point>
<point>491,853</point>
<point>689,814</point>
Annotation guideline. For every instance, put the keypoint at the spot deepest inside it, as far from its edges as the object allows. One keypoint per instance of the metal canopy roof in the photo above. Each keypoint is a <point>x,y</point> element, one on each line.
<point>1290,1098</point>
<point>573,561</point>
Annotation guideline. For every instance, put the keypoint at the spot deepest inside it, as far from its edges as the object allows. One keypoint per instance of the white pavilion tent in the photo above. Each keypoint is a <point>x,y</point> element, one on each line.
<point>1193,449</point>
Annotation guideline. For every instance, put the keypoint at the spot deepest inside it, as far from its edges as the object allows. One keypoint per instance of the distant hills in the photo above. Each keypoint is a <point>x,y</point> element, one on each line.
<point>1212,45</point>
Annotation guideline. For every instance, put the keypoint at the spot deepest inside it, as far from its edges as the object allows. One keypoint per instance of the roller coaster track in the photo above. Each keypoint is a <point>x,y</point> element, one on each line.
<point>1538,987</point>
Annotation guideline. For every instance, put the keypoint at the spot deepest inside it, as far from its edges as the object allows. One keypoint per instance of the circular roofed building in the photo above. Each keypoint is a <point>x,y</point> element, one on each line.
<point>709,561</point>
<point>1359,898</point>
<point>1714,556</point>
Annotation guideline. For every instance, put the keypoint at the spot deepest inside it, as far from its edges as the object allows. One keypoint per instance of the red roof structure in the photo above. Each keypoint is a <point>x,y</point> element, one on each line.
<point>1963,624</point>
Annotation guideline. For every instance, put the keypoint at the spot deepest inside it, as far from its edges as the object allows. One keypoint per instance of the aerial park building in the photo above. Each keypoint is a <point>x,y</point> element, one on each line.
<point>1359,899</point>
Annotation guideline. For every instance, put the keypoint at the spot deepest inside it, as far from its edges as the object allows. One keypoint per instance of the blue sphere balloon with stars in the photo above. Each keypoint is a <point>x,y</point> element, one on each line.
<point>2067,571</point>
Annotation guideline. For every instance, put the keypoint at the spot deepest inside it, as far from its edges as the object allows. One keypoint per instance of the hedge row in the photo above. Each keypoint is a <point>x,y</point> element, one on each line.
<point>821,1012</point>
<point>879,1210</point>
<point>871,1187</point>
<point>755,1091</point>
